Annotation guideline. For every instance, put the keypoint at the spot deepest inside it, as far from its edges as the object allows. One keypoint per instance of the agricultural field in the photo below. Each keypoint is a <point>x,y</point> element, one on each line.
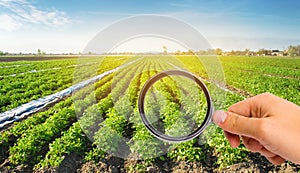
<point>98,128</point>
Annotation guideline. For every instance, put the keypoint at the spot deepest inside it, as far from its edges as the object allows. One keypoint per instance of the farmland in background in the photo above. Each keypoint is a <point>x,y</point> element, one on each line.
<point>56,139</point>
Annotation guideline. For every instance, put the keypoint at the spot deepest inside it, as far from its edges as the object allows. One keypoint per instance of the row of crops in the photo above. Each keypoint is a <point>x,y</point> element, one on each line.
<point>101,121</point>
<point>26,81</point>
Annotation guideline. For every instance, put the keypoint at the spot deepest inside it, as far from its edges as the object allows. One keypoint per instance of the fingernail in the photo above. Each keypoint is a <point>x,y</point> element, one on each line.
<point>219,117</point>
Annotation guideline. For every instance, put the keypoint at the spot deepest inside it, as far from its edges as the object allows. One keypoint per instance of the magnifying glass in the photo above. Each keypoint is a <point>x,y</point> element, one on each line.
<point>175,106</point>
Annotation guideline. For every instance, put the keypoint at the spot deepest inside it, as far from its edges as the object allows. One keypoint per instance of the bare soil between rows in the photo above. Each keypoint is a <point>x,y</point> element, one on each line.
<point>253,163</point>
<point>110,164</point>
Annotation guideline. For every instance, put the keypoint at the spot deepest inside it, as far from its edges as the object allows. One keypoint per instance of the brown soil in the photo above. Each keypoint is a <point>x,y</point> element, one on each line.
<point>109,164</point>
<point>239,91</point>
<point>253,163</point>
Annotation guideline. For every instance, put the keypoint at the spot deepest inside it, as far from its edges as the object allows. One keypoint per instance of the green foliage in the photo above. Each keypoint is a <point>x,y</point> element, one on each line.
<point>273,75</point>
<point>22,82</point>
<point>186,151</point>
<point>219,51</point>
<point>32,142</point>
<point>32,82</point>
<point>4,138</point>
<point>293,50</point>
<point>139,166</point>
<point>72,140</point>
<point>107,139</point>
<point>94,115</point>
<point>144,144</point>
<point>116,121</point>
<point>226,155</point>
<point>95,154</point>
<point>20,128</point>
<point>107,110</point>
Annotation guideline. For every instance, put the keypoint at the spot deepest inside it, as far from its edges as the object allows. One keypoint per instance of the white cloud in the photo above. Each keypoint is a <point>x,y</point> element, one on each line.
<point>8,23</point>
<point>21,12</point>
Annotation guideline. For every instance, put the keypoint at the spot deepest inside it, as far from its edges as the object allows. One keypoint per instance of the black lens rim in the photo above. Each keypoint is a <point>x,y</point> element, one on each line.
<point>157,133</point>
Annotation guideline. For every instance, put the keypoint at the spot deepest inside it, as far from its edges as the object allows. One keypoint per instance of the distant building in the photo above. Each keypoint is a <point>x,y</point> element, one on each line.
<point>278,53</point>
<point>262,52</point>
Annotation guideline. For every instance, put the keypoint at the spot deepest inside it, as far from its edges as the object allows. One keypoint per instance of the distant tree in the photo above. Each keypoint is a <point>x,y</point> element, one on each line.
<point>293,50</point>
<point>39,52</point>
<point>232,52</point>
<point>219,51</point>
<point>165,49</point>
<point>2,53</point>
<point>202,52</point>
<point>190,52</point>
<point>211,52</point>
<point>247,52</point>
<point>178,52</point>
<point>263,52</point>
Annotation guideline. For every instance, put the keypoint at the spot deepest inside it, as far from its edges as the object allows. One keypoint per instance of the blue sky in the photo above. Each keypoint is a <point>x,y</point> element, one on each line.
<point>67,26</point>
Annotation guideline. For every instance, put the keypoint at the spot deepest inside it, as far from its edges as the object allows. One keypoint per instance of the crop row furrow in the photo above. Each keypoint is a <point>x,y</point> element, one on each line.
<point>81,130</point>
<point>143,145</point>
<point>33,144</point>
<point>114,131</point>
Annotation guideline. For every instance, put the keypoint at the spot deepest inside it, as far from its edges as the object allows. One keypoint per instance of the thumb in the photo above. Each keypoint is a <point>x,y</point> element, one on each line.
<point>236,124</point>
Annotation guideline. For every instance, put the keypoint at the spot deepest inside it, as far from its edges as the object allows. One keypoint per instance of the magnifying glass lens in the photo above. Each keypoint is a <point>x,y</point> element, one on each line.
<point>175,106</point>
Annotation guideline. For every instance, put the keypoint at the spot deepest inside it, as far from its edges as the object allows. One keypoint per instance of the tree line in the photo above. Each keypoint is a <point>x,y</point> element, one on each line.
<point>290,51</point>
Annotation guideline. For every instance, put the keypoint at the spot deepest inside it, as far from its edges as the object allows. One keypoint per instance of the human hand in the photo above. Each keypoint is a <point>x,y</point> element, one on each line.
<point>267,124</point>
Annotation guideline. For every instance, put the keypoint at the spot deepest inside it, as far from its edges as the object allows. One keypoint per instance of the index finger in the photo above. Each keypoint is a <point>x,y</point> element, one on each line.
<point>242,108</point>
<point>251,107</point>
